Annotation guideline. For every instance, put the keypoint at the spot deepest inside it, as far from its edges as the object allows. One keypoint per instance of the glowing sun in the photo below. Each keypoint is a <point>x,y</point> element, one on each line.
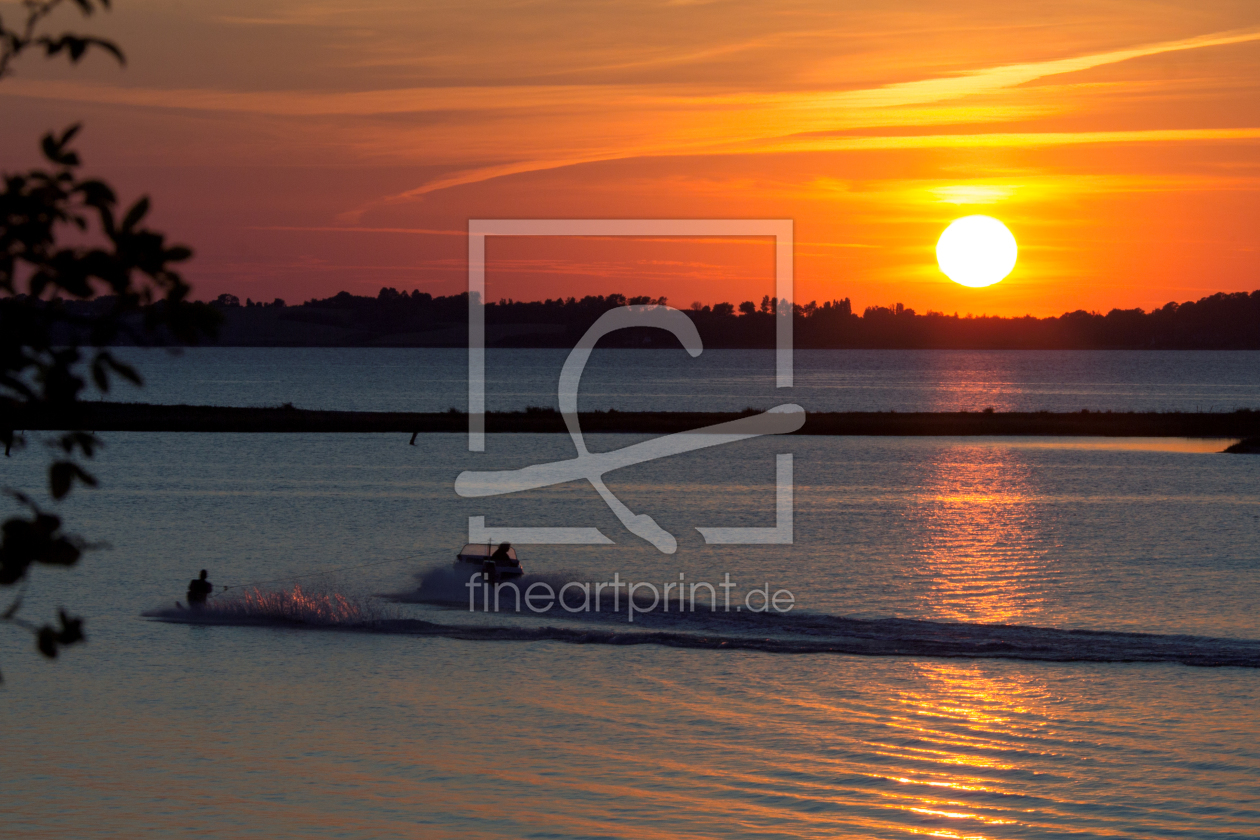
<point>976,251</point>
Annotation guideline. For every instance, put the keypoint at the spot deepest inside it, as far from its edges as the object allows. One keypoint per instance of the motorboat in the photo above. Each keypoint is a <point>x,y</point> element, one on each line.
<point>481,556</point>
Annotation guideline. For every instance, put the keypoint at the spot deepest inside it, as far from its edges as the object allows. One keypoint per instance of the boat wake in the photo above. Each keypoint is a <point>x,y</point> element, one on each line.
<point>294,606</point>
<point>896,637</point>
<point>795,633</point>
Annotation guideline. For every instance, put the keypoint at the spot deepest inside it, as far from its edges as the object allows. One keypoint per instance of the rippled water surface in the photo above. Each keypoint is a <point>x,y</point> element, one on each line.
<point>553,725</point>
<point>379,379</point>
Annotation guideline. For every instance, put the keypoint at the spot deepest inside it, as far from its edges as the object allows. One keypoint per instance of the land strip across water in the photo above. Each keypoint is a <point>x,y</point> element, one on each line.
<point>142,417</point>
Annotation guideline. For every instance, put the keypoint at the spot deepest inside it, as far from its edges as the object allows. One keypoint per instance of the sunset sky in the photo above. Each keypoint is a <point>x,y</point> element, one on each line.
<point>305,148</point>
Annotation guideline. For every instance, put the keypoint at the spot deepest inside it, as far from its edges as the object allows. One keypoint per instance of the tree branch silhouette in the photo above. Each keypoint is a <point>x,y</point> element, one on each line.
<point>66,238</point>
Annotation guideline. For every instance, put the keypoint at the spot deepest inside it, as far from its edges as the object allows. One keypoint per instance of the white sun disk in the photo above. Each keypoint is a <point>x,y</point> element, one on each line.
<point>976,251</point>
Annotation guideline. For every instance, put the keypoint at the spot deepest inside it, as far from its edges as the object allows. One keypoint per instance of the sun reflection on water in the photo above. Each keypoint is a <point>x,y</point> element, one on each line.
<point>978,537</point>
<point>954,736</point>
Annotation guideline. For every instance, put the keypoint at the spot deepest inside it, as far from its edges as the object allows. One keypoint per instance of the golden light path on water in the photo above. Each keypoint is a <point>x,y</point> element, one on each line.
<point>961,750</point>
<point>976,533</point>
<point>956,728</point>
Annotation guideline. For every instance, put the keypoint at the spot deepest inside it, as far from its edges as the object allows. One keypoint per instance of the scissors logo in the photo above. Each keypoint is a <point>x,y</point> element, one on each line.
<point>593,466</point>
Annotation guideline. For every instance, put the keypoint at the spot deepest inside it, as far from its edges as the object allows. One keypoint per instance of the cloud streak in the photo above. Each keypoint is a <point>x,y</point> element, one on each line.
<point>814,113</point>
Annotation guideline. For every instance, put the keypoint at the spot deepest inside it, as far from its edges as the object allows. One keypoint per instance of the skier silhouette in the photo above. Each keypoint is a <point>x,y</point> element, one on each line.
<point>198,590</point>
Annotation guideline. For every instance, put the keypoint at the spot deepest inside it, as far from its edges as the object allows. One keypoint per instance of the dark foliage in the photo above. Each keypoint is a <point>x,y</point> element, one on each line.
<point>115,284</point>
<point>13,42</point>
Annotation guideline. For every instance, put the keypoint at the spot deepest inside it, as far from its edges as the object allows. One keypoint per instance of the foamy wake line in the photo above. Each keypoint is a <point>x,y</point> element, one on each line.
<point>294,606</point>
<point>890,638</point>
<point>793,634</point>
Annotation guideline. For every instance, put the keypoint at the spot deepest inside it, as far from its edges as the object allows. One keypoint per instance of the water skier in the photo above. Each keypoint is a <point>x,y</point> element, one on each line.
<point>198,590</point>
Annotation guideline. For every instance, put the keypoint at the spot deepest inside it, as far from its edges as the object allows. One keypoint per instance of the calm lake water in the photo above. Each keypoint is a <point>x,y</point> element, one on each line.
<point>371,379</point>
<point>445,723</point>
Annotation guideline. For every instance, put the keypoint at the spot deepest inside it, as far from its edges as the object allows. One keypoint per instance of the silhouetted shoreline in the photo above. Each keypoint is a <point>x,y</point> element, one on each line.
<point>1223,321</point>
<point>141,417</point>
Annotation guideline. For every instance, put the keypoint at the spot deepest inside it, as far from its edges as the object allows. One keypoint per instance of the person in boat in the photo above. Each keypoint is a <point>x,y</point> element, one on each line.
<point>501,557</point>
<point>198,590</point>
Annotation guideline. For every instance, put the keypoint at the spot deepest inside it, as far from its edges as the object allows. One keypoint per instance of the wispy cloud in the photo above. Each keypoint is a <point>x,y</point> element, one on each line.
<point>1012,75</point>
<point>1004,139</point>
<point>815,121</point>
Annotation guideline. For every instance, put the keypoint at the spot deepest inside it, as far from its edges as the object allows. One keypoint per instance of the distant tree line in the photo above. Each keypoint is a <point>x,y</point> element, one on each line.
<point>417,319</point>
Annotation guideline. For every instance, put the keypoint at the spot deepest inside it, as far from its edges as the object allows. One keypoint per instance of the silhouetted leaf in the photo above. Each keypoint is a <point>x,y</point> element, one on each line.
<point>47,641</point>
<point>123,369</point>
<point>99,376</point>
<point>77,45</point>
<point>97,194</point>
<point>68,134</point>
<point>61,477</point>
<point>71,631</point>
<point>54,148</point>
<point>14,607</point>
<point>11,439</point>
<point>85,441</point>
<point>109,47</point>
<point>135,214</point>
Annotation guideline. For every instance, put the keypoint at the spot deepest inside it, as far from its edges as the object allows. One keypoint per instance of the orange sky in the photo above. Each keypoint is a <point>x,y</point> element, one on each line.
<point>304,148</point>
